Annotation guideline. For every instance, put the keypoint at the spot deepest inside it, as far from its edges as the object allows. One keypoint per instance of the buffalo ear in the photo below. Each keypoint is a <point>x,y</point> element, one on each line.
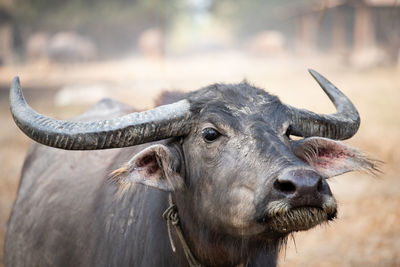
<point>154,166</point>
<point>331,158</point>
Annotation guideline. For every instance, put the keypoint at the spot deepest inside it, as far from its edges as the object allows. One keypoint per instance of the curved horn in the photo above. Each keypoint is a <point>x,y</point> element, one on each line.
<point>132,129</point>
<point>341,125</point>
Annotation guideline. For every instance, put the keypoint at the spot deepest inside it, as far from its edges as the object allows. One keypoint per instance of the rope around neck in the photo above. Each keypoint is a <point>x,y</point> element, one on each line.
<point>172,218</point>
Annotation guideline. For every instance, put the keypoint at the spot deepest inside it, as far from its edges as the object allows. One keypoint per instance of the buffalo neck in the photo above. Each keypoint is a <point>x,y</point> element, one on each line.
<point>214,249</point>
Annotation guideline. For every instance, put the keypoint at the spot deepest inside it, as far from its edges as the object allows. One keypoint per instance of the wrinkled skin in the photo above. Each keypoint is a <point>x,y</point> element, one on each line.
<point>238,195</point>
<point>238,168</point>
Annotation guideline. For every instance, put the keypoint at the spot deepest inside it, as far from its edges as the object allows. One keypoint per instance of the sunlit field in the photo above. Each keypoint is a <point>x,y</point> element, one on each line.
<point>367,231</point>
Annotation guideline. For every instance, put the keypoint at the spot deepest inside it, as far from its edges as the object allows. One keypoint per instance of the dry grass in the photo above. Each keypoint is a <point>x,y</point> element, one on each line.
<point>367,232</point>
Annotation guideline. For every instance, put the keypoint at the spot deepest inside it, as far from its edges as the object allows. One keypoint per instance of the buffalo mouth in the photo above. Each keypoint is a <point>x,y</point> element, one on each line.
<point>298,219</point>
<point>283,219</point>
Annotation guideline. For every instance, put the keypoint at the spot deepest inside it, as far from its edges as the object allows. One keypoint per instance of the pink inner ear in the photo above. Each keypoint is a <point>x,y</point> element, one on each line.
<point>150,167</point>
<point>332,154</point>
<point>147,165</point>
<point>329,157</point>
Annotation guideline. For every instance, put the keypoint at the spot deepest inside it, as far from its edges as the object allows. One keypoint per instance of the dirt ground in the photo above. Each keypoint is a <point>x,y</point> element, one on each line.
<point>367,231</point>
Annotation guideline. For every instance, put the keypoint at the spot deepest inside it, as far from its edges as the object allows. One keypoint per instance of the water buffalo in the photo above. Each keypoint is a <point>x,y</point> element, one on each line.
<point>219,166</point>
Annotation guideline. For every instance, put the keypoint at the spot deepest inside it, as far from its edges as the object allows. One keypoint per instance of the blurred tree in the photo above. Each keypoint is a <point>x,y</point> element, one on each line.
<point>252,16</point>
<point>114,25</point>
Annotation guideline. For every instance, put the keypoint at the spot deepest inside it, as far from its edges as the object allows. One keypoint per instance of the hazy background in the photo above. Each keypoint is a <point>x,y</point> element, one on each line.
<point>69,54</point>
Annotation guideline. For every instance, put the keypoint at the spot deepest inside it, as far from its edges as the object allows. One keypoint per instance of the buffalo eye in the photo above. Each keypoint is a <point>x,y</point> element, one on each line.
<point>210,134</point>
<point>288,130</point>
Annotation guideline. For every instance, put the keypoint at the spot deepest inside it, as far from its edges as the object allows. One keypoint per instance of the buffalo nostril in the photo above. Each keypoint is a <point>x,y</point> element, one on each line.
<point>320,186</point>
<point>285,186</point>
<point>301,183</point>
